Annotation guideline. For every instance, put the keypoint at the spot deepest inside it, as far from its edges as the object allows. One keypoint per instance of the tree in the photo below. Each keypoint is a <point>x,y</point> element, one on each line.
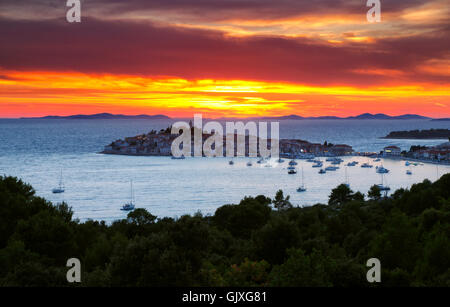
<point>141,217</point>
<point>340,195</point>
<point>374,192</point>
<point>280,202</point>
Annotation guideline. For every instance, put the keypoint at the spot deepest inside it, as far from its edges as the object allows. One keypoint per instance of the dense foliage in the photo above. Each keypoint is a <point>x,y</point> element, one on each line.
<point>258,242</point>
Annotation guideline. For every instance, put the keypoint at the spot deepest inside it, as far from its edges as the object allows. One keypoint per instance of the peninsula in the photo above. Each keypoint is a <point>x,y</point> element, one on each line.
<point>419,134</point>
<point>158,143</point>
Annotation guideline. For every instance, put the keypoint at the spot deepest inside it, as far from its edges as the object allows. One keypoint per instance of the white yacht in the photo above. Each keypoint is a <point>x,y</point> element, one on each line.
<point>60,188</point>
<point>292,162</point>
<point>302,188</point>
<point>129,206</point>
<point>382,170</point>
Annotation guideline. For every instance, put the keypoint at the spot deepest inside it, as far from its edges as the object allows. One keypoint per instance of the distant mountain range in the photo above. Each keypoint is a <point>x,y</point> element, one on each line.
<point>102,116</point>
<point>287,117</point>
<point>441,119</point>
<point>361,116</point>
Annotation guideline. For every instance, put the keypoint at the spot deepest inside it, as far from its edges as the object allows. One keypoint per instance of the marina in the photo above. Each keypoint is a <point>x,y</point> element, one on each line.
<point>97,186</point>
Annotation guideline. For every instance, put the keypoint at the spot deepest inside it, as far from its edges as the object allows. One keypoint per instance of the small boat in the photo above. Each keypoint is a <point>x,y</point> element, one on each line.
<point>353,163</point>
<point>383,188</point>
<point>60,189</point>
<point>302,188</point>
<point>260,161</point>
<point>377,160</point>
<point>249,163</point>
<point>408,172</point>
<point>407,163</point>
<point>366,165</point>
<point>280,160</point>
<point>290,167</point>
<point>178,158</point>
<point>231,162</point>
<point>382,170</point>
<point>292,162</point>
<point>129,206</point>
<point>322,171</point>
<point>292,171</point>
<point>331,168</point>
<point>311,160</point>
<point>317,164</point>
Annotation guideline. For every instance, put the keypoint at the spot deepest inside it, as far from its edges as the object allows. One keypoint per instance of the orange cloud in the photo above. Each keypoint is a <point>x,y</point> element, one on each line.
<point>44,93</point>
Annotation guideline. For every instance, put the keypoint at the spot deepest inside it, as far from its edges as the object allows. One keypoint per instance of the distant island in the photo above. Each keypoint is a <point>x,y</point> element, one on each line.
<point>419,134</point>
<point>378,116</point>
<point>361,116</point>
<point>102,116</point>
<point>441,119</point>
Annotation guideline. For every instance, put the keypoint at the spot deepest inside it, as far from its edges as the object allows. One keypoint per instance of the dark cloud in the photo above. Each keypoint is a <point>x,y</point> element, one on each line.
<point>215,10</point>
<point>120,47</point>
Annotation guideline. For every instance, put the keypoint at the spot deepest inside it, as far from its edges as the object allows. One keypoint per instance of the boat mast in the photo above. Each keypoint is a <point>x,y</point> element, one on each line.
<point>60,180</point>
<point>131,191</point>
<point>303,184</point>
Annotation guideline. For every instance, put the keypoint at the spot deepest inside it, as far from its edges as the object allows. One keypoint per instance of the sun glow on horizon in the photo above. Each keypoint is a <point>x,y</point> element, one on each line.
<point>45,93</point>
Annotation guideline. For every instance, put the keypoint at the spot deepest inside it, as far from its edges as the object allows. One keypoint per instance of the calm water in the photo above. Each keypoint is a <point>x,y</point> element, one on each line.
<point>97,185</point>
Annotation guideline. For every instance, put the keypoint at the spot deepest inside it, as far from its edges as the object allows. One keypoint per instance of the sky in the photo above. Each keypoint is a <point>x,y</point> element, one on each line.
<point>224,58</point>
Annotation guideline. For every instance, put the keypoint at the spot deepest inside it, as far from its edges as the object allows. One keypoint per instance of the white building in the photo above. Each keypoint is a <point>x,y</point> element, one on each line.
<point>391,151</point>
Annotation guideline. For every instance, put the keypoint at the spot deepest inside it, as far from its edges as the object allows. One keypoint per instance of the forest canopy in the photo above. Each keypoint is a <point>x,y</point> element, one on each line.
<point>258,242</point>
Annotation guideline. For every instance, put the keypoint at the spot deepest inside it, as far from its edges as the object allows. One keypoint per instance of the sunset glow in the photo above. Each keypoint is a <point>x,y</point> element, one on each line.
<point>266,60</point>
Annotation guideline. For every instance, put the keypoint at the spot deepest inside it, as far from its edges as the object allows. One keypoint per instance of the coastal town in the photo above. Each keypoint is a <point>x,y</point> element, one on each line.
<point>158,143</point>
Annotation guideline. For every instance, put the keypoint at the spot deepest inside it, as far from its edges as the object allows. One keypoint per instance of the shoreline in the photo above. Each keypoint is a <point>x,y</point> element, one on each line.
<point>357,154</point>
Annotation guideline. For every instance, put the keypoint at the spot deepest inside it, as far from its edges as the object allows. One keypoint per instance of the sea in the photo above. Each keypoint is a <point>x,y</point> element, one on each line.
<point>97,185</point>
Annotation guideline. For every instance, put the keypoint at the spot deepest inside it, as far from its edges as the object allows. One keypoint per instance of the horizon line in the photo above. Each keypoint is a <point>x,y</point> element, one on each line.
<point>222,117</point>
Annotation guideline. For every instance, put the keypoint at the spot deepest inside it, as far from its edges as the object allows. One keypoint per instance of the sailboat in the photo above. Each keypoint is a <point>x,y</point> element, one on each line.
<point>129,206</point>
<point>60,188</point>
<point>381,186</point>
<point>302,188</point>
<point>346,179</point>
